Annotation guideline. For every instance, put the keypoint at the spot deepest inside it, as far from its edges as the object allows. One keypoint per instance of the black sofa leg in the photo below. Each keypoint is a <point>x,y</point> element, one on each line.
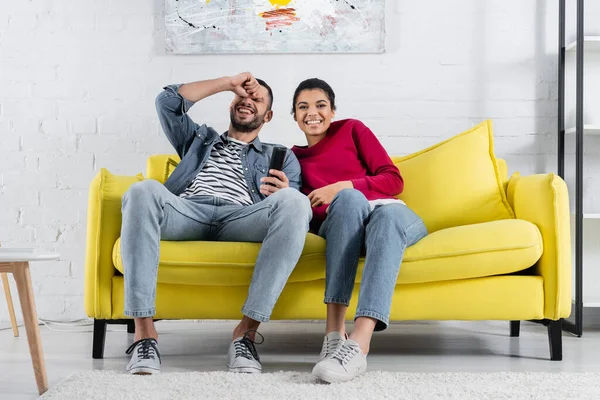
<point>555,339</point>
<point>515,327</point>
<point>130,326</point>
<point>99,338</point>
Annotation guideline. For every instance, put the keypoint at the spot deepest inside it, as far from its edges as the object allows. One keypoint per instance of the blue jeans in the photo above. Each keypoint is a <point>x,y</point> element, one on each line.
<point>152,213</point>
<point>385,233</point>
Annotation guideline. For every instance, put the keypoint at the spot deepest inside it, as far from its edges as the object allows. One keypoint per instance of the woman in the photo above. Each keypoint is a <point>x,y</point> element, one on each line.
<point>351,183</point>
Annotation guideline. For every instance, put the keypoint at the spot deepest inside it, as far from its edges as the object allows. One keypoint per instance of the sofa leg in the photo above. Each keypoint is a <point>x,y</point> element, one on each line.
<point>130,326</point>
<point>99,338</point>
<point>555,339</point>
<point>515,327</point>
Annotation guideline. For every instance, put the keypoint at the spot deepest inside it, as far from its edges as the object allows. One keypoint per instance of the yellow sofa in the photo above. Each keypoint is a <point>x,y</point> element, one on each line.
<point>498,249</point>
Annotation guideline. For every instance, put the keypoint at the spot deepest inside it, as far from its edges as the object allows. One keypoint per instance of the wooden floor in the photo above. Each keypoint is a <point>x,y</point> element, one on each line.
<point>201,346</point>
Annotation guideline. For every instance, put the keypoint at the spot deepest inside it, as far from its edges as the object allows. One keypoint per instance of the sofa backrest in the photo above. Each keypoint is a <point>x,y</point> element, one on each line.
<point>160,166</point>
<point>456,182</point>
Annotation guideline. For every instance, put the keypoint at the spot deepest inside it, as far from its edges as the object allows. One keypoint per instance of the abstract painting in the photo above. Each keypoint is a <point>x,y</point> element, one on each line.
<point>274,26</point>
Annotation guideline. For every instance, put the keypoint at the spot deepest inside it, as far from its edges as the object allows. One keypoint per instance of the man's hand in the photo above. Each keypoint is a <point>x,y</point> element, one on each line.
<point>326,194</point>
<point>244,85</point>
<point>280,180</point>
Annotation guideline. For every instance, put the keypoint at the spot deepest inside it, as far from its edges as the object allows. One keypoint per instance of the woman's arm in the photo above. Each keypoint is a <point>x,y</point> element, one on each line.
<point>384,175</point>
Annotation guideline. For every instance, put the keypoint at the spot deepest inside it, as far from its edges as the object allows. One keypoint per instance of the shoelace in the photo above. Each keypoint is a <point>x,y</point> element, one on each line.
<point>345,353</point>
<point>332,345</point>
<point>146,350</point>
<point>245,347</point>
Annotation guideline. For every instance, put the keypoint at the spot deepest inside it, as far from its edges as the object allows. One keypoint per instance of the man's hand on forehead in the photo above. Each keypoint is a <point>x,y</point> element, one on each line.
<point>252,87</point>
<point>245,85</point>
<point>260,93</point>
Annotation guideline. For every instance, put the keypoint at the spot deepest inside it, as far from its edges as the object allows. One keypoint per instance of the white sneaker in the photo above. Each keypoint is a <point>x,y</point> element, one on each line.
<point>242,356</point>
<point>347,363</point>
<point>331,343</point>
<point>145,359</point>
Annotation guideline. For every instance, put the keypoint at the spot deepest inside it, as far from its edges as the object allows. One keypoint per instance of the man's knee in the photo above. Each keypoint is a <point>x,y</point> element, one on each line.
<point>294,201</point>
<point>141,193</point>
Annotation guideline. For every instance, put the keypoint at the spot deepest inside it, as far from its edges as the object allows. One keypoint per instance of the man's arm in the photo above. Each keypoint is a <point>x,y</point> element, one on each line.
<point>243,84</point>
<point>292,170</point>
<point>178,127</point>
<point>289,176</point>
<point>174,102</point>
<point>196,91</point>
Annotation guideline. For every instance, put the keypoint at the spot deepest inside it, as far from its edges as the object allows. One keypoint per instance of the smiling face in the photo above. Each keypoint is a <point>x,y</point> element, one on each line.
<point>313,113</point>
<point>249,113</point>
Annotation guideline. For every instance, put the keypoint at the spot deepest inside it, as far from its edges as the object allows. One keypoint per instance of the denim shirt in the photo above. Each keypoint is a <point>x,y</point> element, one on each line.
<point>194,142</point>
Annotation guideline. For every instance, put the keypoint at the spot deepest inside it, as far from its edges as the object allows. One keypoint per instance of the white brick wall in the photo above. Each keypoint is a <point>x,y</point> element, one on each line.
<point>78,80</point>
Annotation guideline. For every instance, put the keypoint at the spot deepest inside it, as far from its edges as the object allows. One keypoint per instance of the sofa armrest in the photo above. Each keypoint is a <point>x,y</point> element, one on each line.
<point>543,199</point>
<point>103,229</point>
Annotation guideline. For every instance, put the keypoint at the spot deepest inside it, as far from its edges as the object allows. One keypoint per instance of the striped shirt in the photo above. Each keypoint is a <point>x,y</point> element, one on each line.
<point>223,174</point>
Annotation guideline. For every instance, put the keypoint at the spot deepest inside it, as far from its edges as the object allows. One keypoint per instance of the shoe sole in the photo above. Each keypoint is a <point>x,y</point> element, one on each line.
<point>245,370</point>
<point>332,377</point>
<point>144,371</point>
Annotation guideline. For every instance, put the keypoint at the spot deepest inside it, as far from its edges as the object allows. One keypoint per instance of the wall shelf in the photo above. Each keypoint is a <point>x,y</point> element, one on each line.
<point>590,43</point>
<point>587,130</point>
<point>588,216</point>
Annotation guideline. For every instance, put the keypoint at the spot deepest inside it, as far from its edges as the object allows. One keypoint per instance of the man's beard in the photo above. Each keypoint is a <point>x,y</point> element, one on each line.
<point>245,127</point>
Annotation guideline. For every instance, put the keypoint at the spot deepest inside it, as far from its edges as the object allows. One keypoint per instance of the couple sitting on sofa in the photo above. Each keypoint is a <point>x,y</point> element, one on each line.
<point>220,191</point>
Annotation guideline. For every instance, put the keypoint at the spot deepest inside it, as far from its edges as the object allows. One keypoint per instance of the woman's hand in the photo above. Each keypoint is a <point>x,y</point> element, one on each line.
<point>326,194</point>
<point>279,180</point>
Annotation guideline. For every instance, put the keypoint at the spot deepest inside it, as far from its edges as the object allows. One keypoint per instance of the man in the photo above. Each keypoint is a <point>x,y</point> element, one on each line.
<point>218,191</point>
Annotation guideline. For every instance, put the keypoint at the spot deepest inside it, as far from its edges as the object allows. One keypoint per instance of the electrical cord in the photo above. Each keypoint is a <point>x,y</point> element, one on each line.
<point>81,323</point>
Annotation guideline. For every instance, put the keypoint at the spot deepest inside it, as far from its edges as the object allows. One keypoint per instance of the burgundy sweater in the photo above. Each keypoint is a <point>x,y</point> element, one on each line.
<point>349,152</point>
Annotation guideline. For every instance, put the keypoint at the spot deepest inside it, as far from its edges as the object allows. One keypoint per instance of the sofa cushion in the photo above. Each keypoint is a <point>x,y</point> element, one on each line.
<point>456,182</point>
<point>491,248</point>
<point>225,263</point>
<point>160,166</point>
<point>471,251</point>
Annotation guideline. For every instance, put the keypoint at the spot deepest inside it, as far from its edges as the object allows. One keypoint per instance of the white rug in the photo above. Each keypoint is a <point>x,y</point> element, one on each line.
<point>289,385</point>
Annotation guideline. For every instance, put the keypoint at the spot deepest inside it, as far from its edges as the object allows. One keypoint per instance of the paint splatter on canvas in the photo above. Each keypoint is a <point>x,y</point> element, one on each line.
<point>274,26</point>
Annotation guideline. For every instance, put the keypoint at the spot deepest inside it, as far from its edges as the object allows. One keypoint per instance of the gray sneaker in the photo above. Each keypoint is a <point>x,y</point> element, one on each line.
<point>331,343</point>
<point>145,359</point>
<point>347,363</point>
<point>242,355</point>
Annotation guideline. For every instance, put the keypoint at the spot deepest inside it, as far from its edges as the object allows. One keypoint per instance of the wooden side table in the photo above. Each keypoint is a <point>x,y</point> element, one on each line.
<point>16,262</point>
